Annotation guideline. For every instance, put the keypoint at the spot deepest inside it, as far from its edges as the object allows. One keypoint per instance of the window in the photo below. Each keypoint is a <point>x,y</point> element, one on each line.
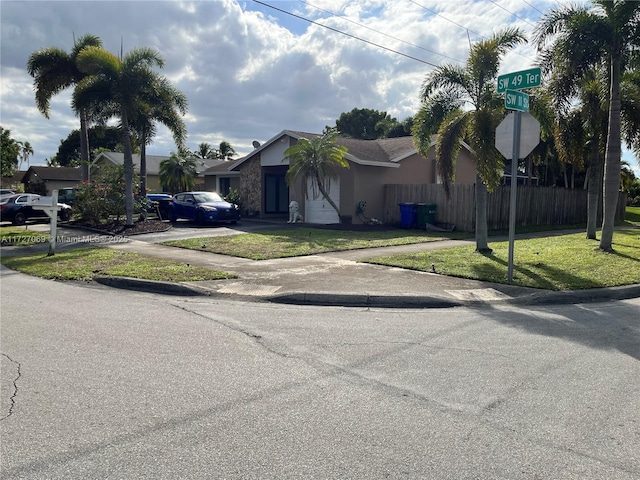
<point>225,186</point>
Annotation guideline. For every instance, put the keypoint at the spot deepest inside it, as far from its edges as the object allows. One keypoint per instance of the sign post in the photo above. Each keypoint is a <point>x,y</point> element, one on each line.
<point>514,99</point>
<point>50,207</point>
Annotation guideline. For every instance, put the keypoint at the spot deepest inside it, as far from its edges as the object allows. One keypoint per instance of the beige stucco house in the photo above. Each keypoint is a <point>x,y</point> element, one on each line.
<point>373,164</point>
<point>43,180</point>
<point>153,168</point>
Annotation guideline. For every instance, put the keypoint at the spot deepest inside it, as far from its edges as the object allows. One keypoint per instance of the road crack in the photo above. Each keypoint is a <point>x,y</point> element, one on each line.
<point>14,394</point>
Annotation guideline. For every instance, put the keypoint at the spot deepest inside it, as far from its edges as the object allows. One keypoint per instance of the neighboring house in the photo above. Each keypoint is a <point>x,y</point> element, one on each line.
<point>153,168</point>
<point>43,180</point>
<point>373,164</point>
<point>220,178</point>
<point>13,181</point>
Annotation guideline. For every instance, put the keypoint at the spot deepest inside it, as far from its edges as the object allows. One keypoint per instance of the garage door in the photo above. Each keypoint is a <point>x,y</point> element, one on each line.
<point>319,210</point>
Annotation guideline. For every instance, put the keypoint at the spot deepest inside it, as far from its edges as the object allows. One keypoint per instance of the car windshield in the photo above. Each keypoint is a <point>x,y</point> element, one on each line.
<point>206,197</point>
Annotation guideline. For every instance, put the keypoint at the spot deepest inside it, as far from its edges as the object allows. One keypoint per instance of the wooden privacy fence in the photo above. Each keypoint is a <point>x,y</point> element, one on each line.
<point>534,205</point>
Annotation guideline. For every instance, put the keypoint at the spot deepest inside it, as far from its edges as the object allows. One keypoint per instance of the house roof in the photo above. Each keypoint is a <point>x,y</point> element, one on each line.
<point>384,152</point>
<point>53,173</point>
<point>222,168</point>
<point>153,161</point>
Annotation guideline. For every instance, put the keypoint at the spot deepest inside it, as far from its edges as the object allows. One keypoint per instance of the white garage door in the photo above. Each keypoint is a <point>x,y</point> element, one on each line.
<point>318,210</point>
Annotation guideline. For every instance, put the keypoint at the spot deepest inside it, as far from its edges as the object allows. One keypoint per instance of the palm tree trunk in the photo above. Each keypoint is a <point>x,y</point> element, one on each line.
<point>84,146</point>
<point>593,190</point>
<point>325,194</point>
<point>482,234</point>
<point>612,161</point>
<point>128,169</point>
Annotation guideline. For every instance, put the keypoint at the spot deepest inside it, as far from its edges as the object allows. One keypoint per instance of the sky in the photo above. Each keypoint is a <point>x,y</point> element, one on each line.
<point>249,70</point>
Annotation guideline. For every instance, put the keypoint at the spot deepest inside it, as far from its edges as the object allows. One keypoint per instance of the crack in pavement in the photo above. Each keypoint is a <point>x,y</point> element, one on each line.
<point>12,399</point>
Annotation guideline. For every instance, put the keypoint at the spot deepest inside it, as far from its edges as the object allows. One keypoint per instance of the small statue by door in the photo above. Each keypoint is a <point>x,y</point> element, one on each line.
<point>294,212</point>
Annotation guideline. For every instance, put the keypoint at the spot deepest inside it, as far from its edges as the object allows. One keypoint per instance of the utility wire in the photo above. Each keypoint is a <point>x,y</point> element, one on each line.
<point>378,31</point>
<point>467,29</point>
<point>347,34</point>
<point>445,18</point>
<point>510,12</point>
<point>532,6</point>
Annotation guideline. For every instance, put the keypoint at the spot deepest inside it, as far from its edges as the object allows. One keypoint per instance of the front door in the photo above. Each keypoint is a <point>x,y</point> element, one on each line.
<point>276,194</point>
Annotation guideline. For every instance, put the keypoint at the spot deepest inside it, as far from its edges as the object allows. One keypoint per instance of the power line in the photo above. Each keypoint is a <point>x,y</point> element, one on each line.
<point>540,12</point>
<point>445,18</point>
<point>467,29</point>
<point>347,34</point>
<point>510,12</point>
<point>381,33</point>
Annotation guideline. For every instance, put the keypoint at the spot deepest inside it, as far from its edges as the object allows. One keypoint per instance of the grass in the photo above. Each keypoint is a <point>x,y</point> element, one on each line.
<point>566,262</point>
<point>88,263</point>
<point>305,241</point>
<point>632,215</point>
<point>20,236</point>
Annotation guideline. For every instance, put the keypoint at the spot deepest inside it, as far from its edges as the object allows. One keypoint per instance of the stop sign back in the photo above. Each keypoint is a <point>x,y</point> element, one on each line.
<point>529,135</point>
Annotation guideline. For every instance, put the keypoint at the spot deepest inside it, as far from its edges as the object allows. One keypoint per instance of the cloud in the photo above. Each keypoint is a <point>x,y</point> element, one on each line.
<point>250,71</point>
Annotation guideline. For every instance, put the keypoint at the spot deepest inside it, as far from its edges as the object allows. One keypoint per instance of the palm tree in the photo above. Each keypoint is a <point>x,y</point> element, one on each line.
<point>630,104</point>
<point>54,70</point>
<point>204,150</point>
<point>163,104</point>
<point>178,172</point>
<point>226,151</point>
<point>317,159</point>
<point>26,150</point>
<point>580,38</point>
<point>122,85</point>
<point>445,92</point>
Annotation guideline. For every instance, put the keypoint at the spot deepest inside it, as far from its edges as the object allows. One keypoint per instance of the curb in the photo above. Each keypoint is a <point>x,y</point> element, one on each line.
<point>363,300</point>
<point>624,292</point>
<point>380,301</point>
<point>152,286</point>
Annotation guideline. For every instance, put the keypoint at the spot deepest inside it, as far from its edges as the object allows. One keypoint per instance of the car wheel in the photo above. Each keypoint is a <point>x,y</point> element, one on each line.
<point>172,216</point>
<point>20,218</point>
<point>65,215</point>
<point>200,218</point>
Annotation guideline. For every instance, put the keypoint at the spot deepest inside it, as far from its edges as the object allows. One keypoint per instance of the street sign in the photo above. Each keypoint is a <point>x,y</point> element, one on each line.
<point>515,100</point>
<point>520,80</point>
<point>529,135</point>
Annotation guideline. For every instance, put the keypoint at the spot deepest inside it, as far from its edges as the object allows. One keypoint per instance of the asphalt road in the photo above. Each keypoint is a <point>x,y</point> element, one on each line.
<point>99,383</point>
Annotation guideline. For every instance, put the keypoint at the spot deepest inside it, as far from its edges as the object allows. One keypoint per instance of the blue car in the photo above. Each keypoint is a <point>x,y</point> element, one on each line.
<point>202,207</point>
<point>158,203</point>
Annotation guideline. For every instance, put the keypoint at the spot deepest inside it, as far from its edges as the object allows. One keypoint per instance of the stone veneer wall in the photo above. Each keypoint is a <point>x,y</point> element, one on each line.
<point>251,186</point>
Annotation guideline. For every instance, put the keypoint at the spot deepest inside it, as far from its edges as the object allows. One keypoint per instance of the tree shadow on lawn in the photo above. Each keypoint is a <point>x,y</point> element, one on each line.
<point>528,277</point>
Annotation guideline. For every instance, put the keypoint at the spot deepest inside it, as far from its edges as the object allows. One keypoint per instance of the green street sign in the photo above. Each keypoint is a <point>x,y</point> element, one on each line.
<point>520,80</point>
<point>515,100</point>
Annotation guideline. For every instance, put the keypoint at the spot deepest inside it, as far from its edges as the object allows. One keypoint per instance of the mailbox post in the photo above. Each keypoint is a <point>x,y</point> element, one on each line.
<point>50,206</point>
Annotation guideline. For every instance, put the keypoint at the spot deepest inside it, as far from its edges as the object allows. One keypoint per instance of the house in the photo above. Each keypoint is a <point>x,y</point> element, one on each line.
<point>43,180</point>
<point>13,181</point>
<point>373,164</point>
<point>153,167</point>
<point>220,178</point>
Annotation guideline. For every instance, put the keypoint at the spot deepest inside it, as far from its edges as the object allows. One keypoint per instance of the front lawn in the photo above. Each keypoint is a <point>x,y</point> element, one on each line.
<point>305,241</point>
<point>20,236</point>
<point>88,263</point>
<point>566,262</point>
<point>632,215</point>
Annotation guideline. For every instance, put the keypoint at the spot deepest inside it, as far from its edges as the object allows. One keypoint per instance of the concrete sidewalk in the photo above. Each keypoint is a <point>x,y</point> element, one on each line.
<point>337,278</point>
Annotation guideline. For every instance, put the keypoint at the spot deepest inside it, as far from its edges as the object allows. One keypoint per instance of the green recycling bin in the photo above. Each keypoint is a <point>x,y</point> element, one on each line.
<point>430,214</point>
<point>421,215</point>
<point>425,214</point>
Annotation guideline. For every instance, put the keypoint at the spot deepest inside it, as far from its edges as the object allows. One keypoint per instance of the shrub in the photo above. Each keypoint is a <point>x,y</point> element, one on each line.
<point>103,198</point>
<point>233,197</point>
